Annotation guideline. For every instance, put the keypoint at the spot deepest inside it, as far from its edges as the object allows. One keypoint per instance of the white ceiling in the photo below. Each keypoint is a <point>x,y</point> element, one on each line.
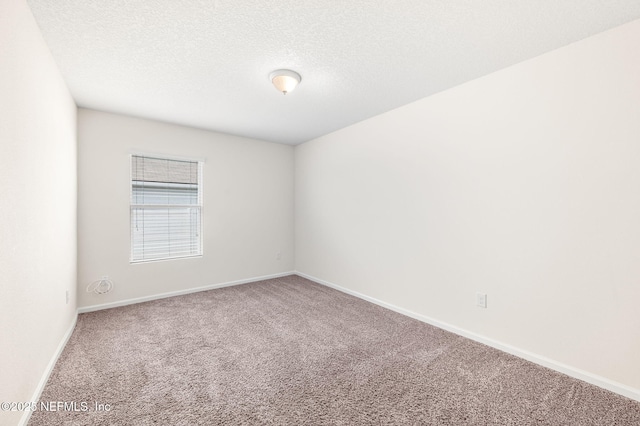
<point>205,63</point>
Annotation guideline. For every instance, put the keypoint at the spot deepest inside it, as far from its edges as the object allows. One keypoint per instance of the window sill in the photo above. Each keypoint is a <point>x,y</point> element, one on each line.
<point>164,259</point>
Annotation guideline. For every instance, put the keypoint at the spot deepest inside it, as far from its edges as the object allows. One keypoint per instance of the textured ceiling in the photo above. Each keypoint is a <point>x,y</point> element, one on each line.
<point>205,63</point>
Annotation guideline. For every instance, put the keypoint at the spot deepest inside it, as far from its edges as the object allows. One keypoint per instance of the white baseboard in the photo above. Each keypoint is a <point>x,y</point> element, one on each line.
<point>47,372</point>
<point>576,373</point>
<point>125,302</point>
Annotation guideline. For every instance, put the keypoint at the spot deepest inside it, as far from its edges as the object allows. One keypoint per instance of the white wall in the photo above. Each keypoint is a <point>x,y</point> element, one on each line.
<point>523,185</point>
<point>247,207</point>
<point>37,206</point>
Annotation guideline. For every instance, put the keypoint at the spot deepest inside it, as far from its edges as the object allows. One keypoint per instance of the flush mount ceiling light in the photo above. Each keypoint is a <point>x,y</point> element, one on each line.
<point>285,80</point>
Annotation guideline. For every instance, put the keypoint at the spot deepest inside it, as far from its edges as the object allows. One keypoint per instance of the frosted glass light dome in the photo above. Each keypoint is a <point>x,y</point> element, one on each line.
<point>285,80</point>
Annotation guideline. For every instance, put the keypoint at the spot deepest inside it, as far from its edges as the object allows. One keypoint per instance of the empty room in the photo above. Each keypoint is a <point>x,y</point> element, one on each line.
<point>324,213</point>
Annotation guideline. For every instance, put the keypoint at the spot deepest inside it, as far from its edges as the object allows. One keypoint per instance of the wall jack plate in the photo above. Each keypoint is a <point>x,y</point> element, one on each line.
<point>481,300</point>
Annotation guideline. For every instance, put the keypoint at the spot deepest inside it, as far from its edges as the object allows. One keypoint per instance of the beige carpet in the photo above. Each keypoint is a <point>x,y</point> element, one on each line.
<point>291,352</point>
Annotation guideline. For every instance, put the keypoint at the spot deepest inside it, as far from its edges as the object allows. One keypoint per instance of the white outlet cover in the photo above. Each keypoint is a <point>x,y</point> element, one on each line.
<point>481,300</point>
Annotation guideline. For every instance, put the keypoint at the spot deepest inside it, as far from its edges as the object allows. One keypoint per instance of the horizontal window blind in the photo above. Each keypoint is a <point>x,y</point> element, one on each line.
<point>166,207</point>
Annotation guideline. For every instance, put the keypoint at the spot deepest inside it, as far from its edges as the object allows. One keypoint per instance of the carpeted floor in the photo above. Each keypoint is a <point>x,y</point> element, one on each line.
<point>291,352</point>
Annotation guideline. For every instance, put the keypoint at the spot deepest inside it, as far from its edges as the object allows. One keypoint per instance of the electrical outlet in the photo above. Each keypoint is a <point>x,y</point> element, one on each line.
<point>481,300</point>
<point>66,296</point>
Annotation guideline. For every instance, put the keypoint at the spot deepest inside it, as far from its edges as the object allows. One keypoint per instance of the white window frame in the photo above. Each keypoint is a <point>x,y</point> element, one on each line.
<point>132,206</point>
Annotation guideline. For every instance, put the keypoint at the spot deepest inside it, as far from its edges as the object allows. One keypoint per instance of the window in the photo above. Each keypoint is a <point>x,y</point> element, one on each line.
<point>166,208</point>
